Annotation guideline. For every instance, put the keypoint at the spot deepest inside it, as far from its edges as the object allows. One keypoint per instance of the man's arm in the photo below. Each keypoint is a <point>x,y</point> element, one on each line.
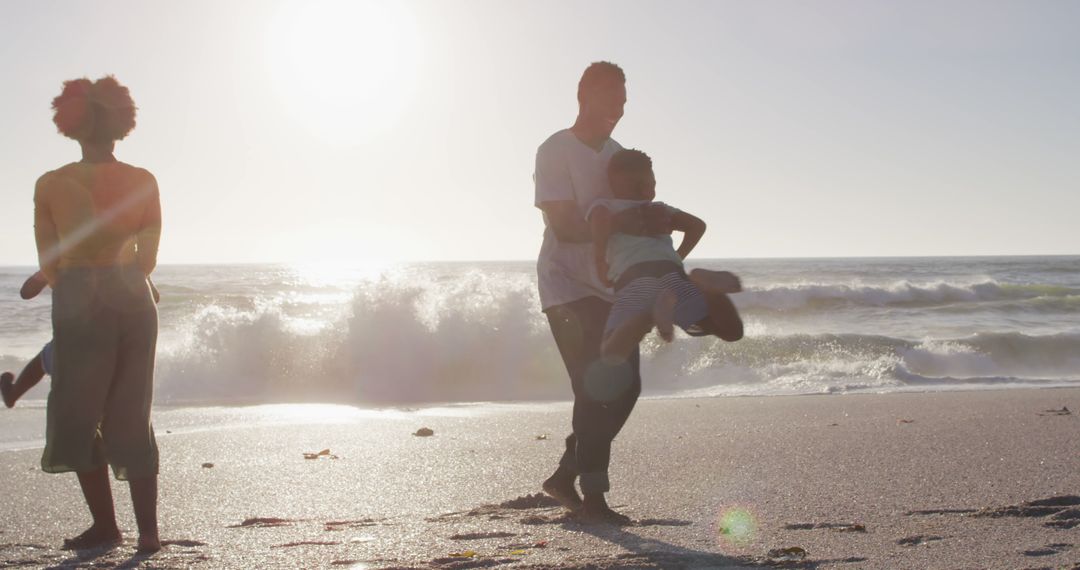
<point>691,226</point>
<point>600,224</point>
<point>646,220</point>
<point>556,198</point>
<point>565,221</point>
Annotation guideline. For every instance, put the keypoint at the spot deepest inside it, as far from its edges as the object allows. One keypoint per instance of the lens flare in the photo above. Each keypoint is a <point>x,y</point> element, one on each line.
<point>608,381</point>
<point>737,526</point>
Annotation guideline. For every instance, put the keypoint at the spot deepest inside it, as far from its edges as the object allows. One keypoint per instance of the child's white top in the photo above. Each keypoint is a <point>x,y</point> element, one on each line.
<point>626,250</point>
<point>568,169</point>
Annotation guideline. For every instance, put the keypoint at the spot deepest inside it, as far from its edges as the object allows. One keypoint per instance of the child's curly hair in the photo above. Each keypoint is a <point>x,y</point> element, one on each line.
<point>98,111</point>
<point>630,160</point>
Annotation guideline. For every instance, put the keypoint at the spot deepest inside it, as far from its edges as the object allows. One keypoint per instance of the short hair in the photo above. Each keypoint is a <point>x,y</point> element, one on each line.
<point>631,161</point>
<point>97,111</point>
<point>597,74</point>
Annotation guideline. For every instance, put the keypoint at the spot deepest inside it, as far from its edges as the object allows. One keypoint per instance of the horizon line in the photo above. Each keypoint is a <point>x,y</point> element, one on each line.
<point>533,260</point>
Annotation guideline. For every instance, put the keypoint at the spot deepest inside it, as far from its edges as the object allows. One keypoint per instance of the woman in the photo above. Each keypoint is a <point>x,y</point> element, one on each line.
<point>97,224</point>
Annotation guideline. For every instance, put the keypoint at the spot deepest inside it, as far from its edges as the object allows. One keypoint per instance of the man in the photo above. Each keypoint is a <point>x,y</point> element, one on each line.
<point>571,172</point>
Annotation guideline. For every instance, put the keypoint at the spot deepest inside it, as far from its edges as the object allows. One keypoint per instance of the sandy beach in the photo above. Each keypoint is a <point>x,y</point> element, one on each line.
<point>983,479</point>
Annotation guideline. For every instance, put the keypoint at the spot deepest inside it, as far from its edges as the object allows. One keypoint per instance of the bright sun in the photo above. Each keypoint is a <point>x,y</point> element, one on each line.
<point>344,68</point>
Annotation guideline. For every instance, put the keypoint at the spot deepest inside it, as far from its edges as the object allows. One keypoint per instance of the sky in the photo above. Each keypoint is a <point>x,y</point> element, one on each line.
<point>351,132</point>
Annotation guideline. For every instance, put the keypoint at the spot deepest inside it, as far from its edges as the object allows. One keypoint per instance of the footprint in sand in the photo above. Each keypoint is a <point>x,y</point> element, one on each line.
<point>918,540</point>
<point>358,523</point>
<point>183,543</point>
<point>546,511</point>
<point>505,509</point>
<point>1049,550</point>
<point>838,527</point>
<point>307,543</point>
<point>1063,511</point>
<point>482,535</point>
<point>660,522</point>
<point>263,522</point>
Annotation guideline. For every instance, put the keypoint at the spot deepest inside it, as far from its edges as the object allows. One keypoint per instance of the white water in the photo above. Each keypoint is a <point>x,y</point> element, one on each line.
<point>474,332</point>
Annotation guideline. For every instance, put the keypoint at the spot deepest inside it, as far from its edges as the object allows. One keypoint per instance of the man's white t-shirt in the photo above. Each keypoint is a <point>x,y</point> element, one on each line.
<point>568,169</point>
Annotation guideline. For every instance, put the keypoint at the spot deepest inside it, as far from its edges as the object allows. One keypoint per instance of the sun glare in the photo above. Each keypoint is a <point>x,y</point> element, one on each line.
<point>344,69</point>
<point>331,272</point>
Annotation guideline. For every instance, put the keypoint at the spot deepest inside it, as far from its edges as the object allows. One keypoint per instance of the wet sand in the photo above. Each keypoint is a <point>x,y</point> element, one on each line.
<point>935,480</point>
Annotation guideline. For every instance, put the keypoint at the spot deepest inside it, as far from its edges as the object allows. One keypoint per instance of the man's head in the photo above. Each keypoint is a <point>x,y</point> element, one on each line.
<point>601,97</point>
<point>630,175</point>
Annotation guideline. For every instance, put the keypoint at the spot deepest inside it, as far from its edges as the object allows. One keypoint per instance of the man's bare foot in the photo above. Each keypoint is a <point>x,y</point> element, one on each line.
<point>562,489</point>
<point>149,544</point>
<point>664,314</point>
<point>7,379</point>
<point>598,512</point>
<point>716,281</point>
<point>94,537</point>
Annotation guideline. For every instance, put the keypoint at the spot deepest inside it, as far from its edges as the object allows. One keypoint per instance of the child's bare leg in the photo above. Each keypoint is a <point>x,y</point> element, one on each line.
<point>663,314</point>
<point>144,496</point>
<point>13,389</point>
<point>724,318</point>
<point>716,281</point>
<point>625,338</point>
<point>621,341</point>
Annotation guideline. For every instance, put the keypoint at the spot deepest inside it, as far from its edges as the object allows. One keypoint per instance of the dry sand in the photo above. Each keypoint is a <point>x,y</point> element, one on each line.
<point>921,480</point>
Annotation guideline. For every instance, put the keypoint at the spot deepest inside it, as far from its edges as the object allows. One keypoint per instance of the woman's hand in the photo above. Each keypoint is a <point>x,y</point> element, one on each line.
<point>33,285</point>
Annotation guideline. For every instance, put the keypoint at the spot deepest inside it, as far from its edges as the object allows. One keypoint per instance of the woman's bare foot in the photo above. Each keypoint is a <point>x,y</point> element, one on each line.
<point>664,314</point>
<point>94,537</point>
<point>716,281</point>
<point>7,379</point>
<point>148,544</point>
<point>561,488</point>
<point>595,510</point>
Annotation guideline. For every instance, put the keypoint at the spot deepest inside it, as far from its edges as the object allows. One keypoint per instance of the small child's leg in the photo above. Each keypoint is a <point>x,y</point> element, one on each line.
<point>28,378</point>
<point>663,314</point>
<point>724,318</point>
<point>621,341</point>
<point>716,281</point>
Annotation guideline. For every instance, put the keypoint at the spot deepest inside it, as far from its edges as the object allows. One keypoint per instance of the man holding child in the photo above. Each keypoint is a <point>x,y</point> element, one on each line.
<point>571,172</point>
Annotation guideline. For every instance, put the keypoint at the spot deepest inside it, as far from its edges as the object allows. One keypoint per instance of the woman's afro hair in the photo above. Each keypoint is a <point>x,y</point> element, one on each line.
<point>96,111</point>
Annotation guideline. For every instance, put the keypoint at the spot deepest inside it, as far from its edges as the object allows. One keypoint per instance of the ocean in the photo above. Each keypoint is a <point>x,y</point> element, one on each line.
<point>473,332</point>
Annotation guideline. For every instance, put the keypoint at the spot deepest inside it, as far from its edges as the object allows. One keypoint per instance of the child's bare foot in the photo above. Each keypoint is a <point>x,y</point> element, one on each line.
<point>148,544</point>
<point>664,314</point>
<point>716,281</point>
<point>561,488</point>
<point>595,510</point>
<point>94,537</point>
<point>7,379</point>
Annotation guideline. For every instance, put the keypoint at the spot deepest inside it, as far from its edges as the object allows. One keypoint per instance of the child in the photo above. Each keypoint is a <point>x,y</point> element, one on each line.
<point>651,286</point>
<point>12,389</point>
